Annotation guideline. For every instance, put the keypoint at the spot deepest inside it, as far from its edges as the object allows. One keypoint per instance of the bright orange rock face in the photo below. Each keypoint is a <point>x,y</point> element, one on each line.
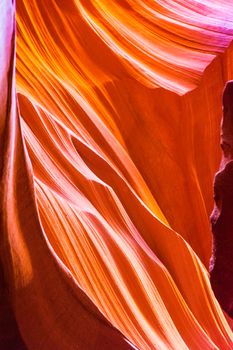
<point>107,165</point>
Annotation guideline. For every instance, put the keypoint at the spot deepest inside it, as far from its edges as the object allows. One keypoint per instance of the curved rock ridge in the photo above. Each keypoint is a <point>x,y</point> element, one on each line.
<point>108,152</point>
<point>163,43</point>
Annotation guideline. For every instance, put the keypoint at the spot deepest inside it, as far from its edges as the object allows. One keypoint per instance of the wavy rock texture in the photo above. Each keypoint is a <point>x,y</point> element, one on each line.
<point>107,171</point>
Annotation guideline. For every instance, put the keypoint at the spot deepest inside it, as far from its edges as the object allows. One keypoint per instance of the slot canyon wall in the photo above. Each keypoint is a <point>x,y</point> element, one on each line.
<point>109,141</point>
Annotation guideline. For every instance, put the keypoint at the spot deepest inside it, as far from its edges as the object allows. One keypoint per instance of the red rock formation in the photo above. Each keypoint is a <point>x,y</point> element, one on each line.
<point>51,309</point>
<point>107,172</point>
<point>221,267</point>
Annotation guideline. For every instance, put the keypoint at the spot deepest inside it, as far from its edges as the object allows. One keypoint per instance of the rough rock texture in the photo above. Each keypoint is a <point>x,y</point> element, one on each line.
<point>221,266</point>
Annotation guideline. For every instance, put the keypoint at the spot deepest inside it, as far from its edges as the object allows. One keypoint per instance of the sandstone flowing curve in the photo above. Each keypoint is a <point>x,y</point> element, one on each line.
<point>108,152</point>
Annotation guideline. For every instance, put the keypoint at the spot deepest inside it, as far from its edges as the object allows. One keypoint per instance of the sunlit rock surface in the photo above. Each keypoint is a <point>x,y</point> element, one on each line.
<point>107,168</point>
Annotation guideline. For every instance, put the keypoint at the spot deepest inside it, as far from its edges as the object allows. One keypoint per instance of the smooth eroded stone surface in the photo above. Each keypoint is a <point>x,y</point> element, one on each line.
<point>108,152</point>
